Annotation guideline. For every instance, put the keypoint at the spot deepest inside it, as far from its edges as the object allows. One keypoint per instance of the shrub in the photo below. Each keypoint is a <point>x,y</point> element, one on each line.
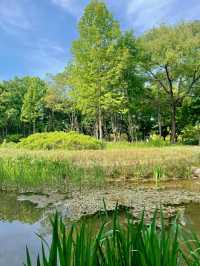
<point>61,140</point>
<point>13,138</point>
<point>191,135</point>
<point>157,141</point>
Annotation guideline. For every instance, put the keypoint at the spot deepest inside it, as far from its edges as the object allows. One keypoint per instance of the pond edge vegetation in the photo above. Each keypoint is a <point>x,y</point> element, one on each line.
<point>132,243</point>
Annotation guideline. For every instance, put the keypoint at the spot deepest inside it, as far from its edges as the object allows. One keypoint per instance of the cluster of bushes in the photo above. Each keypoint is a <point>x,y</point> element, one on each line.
<point>191,135</point>
<point>60,140</point>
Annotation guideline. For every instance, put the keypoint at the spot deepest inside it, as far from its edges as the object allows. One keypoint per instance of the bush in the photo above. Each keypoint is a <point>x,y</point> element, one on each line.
<point>157,141</point>
<point>13,138</point>
<point>191,135</point>
<point>60,140</point>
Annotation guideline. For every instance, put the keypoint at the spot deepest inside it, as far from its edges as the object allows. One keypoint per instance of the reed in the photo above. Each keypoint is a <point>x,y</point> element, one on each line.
<point>119,243</point>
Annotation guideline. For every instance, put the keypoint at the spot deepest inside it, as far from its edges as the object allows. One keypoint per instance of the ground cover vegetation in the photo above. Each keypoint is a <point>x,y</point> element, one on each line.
<point>116,87</point>
<point>25,170</point>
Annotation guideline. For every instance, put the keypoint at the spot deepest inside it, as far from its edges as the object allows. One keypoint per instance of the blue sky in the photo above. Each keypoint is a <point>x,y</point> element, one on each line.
<point>36,35</point>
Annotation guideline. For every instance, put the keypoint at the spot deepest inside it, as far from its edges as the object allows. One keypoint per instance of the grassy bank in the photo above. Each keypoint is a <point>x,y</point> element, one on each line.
<point>24,169</point>
<point>117,243</point>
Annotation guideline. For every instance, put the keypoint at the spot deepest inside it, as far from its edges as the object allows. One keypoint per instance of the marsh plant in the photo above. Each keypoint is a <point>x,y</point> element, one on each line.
<point>24,173</point>
<point>158,174</point>
<point>119,243</point>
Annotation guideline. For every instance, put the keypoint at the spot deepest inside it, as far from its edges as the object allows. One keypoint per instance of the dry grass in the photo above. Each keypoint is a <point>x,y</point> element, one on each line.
<point>175,161</point>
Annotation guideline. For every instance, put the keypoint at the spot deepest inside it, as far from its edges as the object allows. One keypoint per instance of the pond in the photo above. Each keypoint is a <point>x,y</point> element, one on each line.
<point>18,224</point>
<point>20,221</point>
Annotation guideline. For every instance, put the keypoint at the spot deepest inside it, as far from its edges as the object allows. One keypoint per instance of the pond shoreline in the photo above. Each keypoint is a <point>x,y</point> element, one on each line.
<point>88,202</point>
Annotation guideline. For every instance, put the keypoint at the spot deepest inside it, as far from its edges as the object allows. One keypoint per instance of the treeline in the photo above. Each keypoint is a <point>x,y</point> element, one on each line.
<point>117,86</point>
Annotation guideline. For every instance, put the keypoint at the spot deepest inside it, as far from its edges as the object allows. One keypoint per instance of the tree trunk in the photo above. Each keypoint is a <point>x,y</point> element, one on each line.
<point>96,129</point>
<point>100,125</point>
<point>130,128</point>
<point>52,120</point>
<point>34,127</point>
<point>173,122</point>
<point>114,127</point>
<point>159,122</point>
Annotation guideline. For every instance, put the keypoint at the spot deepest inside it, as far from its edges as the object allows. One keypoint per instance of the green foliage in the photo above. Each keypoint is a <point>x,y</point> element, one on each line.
<point>11,98</point>
<point>33,102</point>
<point>60,140</point>
<point>98,64</point>
<point>25,173</point>
<point>171,59</point>
<point>116,84</point>
<point>158,174</point>
<point>191,134</point>
<point>13,138</point>
<point>28,173</point>
<point>157,141</point>
<point>131,243</point>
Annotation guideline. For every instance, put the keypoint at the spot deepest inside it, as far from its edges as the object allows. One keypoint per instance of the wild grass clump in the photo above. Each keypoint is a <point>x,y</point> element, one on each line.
<point>60,140</point>
<point>25,173</point>
<point>29,173</point>
<point>121,244</point>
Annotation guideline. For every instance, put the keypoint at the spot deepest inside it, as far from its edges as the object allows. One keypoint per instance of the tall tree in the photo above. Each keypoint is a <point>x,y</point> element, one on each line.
<point>33,103</point>
<point>97,63</point>
<point>131,83</point>
<point>172,59</point>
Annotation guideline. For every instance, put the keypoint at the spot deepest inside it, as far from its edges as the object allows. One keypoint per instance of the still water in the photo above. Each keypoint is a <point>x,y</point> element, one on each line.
<point>20,221</point>
<point>18,224</point>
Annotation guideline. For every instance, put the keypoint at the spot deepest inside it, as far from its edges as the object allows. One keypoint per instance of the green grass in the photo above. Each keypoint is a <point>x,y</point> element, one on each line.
<point>119,244</point>
<point>26,173</point>
<point>24,169</point>
<point>136,144</point>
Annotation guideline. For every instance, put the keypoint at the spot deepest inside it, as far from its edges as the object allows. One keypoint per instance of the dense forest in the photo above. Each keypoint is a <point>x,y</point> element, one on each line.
<point>118,86</point>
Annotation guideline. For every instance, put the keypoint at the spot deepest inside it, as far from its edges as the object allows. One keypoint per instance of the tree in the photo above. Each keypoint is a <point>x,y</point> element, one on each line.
<point>33,103</point>
<point>131,84</point>
<point>172,58</point>
<point>11,99</point>
<point>97,64</point>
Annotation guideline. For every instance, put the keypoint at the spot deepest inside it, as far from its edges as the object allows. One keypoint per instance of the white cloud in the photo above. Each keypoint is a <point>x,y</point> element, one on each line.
<point>74,7</point>
<point>144,14</point>
<point>13,15</point>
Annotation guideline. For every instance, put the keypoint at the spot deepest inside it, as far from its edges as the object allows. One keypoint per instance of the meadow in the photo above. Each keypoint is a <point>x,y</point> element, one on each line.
<point>23,169</point>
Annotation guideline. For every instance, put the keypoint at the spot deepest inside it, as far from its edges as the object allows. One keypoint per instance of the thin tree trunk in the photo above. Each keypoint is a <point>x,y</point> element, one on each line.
<point>130,128</point>
<point>34,127</point>
<point>114,127</point>
<point>100,125</point>
<point>173,122</point>
<point>52,120</point>
<point>159,122</point>
<point>96,129</point>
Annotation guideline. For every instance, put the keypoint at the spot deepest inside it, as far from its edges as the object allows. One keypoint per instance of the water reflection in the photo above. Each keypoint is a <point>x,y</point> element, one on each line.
<point>19,221</point>
<point>18,224</point>
<point>192,216</point>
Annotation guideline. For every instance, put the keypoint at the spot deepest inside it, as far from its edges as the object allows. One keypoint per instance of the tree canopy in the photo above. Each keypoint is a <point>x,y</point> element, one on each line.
<point>116,86</point>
